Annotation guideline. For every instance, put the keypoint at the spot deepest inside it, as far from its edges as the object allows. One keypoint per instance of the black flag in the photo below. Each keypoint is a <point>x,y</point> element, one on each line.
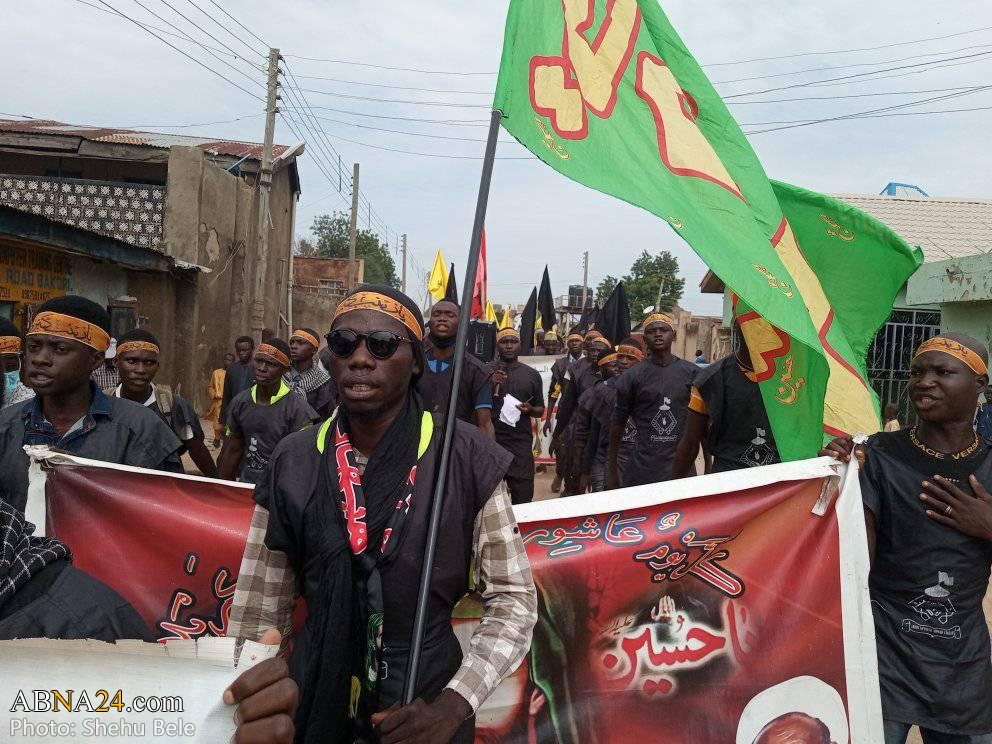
<point>546,303</point>
<point>451,291</point>
<point>587,321</point>
<point>614,319</point>
<point>527,323</point>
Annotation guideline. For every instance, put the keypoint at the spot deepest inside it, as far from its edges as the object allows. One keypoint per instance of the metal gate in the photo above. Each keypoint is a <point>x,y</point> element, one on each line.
<point>891,353</point>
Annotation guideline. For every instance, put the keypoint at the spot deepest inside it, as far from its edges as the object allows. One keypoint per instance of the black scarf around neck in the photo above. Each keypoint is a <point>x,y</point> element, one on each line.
<point>362,518</point>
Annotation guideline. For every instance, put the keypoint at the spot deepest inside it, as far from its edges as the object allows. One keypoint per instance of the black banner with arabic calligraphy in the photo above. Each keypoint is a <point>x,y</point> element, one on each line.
<point>716,619</point>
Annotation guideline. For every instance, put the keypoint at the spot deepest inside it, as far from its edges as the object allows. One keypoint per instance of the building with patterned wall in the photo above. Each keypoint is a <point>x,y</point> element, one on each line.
<point>160,229</point>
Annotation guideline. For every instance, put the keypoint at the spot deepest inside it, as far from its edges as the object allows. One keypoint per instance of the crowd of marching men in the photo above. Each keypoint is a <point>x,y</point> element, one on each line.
<point>359,419</point>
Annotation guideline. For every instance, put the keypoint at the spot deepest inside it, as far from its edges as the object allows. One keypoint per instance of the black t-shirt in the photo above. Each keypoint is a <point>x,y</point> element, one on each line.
<point>739,434</point>
<point>475,388</point>
<point>656,397</point>
<point>262,427</point>
<point>927,584</point>
<point>524,384</point>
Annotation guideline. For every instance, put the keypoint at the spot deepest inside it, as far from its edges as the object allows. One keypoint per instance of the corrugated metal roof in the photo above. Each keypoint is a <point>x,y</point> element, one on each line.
<point>944,228</point>
<point>251,150</point>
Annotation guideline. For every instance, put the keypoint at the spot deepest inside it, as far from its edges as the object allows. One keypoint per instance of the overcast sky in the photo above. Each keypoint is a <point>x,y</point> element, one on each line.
<point>70,62</point>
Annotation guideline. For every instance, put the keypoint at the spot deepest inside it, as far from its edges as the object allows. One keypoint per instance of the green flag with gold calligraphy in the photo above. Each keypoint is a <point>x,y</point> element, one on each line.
<point>605,92</point>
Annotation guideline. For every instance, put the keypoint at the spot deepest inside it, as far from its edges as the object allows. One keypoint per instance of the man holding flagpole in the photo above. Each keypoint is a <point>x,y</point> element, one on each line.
<point>343,521</point>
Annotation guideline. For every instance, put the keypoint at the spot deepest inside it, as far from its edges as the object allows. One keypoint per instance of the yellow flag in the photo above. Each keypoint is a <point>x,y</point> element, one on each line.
<point>505,322</point>
<point>437,283</point>
<point>490,312</point>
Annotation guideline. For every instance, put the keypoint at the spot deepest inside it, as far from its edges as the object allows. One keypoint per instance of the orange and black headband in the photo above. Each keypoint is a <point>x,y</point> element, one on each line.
<point>306,336</point>
<point>380,303</point>
<point>607,358</point>
<point>956,350</point>
<point>574,337</point>
<point>267,350</point>
<point>658,318</point>
<point>504,332</point>
<point>10,345</point>
<point>593,335</point>
<point>127,346</point>
<point>71,328</point>
<point>631,351</point>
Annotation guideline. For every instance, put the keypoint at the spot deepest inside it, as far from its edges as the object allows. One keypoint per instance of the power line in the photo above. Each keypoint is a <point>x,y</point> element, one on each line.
<point>388,67</point>
<point>184,37</point>
<point>452,122</point>
<point>173,46</point>
<point>252,33</point>
<point>356,63</point>
<point>198,43</point>
<point>871,116</point>
<point>396,87</point>
<point>850,51</point>
<point>203,30</point>
<point>422,154</point>
<point>846,67</point>
<point>861,114</point>
<point>850,95</point>
<point>335,94</point>
<point>241,41</point>
<point>408,133</point>
<point>854,75</point>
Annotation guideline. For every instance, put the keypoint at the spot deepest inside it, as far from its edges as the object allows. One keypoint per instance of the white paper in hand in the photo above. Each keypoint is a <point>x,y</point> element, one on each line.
<point>509,414</point>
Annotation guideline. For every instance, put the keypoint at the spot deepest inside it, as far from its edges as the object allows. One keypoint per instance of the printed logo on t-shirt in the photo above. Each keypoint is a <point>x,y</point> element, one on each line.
<point>630,431</point>
<point>253,459</point>
<point>664,423</point>
<point>934,607</point>
<point>758,452</point>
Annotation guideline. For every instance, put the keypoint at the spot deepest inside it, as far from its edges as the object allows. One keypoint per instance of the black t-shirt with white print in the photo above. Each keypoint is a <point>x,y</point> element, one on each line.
<point>927,584</point>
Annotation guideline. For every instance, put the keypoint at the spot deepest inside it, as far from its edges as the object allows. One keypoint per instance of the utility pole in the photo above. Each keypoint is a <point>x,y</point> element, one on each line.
<point>352,234</point>
<point>661,291</point>
<point>264,187</point>
<point>585,279</point>
<point>404,263</point>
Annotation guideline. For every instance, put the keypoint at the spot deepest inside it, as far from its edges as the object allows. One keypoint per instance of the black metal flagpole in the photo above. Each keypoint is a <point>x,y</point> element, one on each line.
<point>441,477</point>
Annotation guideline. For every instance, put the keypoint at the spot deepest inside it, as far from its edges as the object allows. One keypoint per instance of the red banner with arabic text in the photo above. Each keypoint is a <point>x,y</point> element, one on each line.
<point>716,609</point>
<point>170,545</point>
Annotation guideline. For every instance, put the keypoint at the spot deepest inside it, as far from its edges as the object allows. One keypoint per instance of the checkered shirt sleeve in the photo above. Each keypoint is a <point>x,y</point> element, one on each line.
<point>265,595</point>
<point>509,600</point>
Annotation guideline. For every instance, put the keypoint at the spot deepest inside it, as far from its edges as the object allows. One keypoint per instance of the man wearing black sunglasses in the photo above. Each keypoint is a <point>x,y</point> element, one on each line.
<point>342,519</point>
<point>475,395</point>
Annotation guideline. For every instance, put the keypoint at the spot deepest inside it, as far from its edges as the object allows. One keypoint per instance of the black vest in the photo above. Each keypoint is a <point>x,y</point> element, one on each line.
<point>477,466</point>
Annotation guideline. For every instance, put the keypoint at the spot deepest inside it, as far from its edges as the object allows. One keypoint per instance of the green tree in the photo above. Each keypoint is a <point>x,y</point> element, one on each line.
<point>642,283</point>
<point>330,235</point>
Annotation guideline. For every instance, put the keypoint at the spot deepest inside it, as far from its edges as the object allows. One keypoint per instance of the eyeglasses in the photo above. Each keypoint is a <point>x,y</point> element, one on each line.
<point>381,344</point>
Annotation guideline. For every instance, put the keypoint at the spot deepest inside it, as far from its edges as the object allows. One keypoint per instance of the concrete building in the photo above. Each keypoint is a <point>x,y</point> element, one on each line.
<point>319,284</point>
<point>952,291</point>
<point>161,229</point>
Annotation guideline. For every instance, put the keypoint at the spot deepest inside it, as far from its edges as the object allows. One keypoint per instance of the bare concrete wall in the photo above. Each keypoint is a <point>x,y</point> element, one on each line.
<point>314,309</point>
<point>211,221</point>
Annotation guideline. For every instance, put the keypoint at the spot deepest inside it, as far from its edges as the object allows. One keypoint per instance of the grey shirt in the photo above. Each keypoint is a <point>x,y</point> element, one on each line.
<point>262,427</point>
<point>113,430</point>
